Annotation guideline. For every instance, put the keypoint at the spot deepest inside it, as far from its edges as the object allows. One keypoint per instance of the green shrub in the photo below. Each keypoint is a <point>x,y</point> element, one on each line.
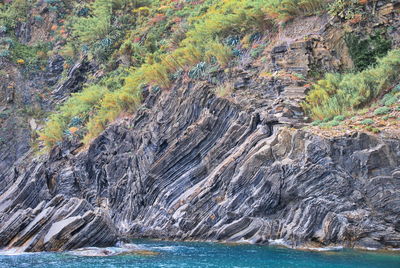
<point>382,111</point>
<point>386,98</point>
<point>80,105</point>
<point>95,27</point>
<point>32,56</point>
<point>53,132</point>
<point>7,41</point>
<point>138,33</point>
<point>288,9</point>
<point>367,122</point>
<point>345,9</point>
<point>5,53</point>
<point>38,18</point>
<point>14,12</point>
<point>198,71</point>
<point>391,98</point>
<point>339,118</point>
<point>327,119</point>
<point>375,130</point>
<point>365,51</point>
<point>329,124</point>
<point>229,18</point>
<point>316,123</point>
<point>340,93</point>
<point>112,104</point>
<point>222,53</point>
<point>334,123</point>
<point>391,101</point>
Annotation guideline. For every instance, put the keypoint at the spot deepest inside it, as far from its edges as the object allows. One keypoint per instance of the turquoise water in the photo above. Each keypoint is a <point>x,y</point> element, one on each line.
<point>177,254</point>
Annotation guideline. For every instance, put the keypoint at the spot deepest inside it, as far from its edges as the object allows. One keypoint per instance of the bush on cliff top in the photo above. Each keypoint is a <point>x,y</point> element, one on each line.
<point>161,38</point>
<point>340,93</point>
<point>14,12</point>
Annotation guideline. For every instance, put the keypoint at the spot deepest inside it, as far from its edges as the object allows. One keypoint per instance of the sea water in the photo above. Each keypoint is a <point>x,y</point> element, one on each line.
<point>181,254</point>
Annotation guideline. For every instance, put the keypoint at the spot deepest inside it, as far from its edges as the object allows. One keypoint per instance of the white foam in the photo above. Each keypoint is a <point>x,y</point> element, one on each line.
<point>14,252</point>
<point>97,252</point>
<point>171,248</point>
<point>282,242</point>
<point>278,242</point>
<point>324,248</point>
<point>369,249</point>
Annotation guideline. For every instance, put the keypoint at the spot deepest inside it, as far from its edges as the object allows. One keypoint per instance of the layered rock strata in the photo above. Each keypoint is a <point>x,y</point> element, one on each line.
<point>192,166</point>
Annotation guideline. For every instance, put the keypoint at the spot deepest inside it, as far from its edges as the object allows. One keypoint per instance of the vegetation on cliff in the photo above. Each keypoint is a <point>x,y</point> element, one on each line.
<point>147,45</point>
<point>338,94</point>
<point>169,39</point>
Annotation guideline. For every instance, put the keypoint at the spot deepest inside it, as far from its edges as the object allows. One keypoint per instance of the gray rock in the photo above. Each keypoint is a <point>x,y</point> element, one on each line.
<point>193,166</point>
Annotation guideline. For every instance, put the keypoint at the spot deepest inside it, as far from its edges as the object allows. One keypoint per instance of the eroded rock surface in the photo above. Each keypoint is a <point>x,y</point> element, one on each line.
<point>193,166</point>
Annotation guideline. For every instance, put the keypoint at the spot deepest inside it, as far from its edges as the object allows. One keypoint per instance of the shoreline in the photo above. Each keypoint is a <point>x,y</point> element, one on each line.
<point>135,244</point>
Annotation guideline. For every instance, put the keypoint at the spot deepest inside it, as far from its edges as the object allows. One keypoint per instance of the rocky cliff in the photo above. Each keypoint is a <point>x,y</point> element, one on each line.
<point>195,164</point>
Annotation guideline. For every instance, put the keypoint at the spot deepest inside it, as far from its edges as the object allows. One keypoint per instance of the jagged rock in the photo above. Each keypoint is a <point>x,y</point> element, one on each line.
<point>193,166</point>
<point>23,32</point>
<point>190,165</point>
<point>33,124</point>
<point>55,69</point>
<point>76,78</point>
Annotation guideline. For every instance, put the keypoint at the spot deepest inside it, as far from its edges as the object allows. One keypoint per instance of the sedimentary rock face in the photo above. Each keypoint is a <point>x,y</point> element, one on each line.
<point>200,167</point>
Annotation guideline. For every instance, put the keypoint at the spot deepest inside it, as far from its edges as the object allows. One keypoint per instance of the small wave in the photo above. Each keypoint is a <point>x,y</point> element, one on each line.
<point>151,247</point>
<point>282,242</point>
<point>131,246</point>
<point>278,242</point>
<point>94,251</point>
<point>369,249</point>
<point>166,248</point>
<point>324,248</point>
<point>171,248</point>
<point>110,251</point>
<point>14,252</point>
